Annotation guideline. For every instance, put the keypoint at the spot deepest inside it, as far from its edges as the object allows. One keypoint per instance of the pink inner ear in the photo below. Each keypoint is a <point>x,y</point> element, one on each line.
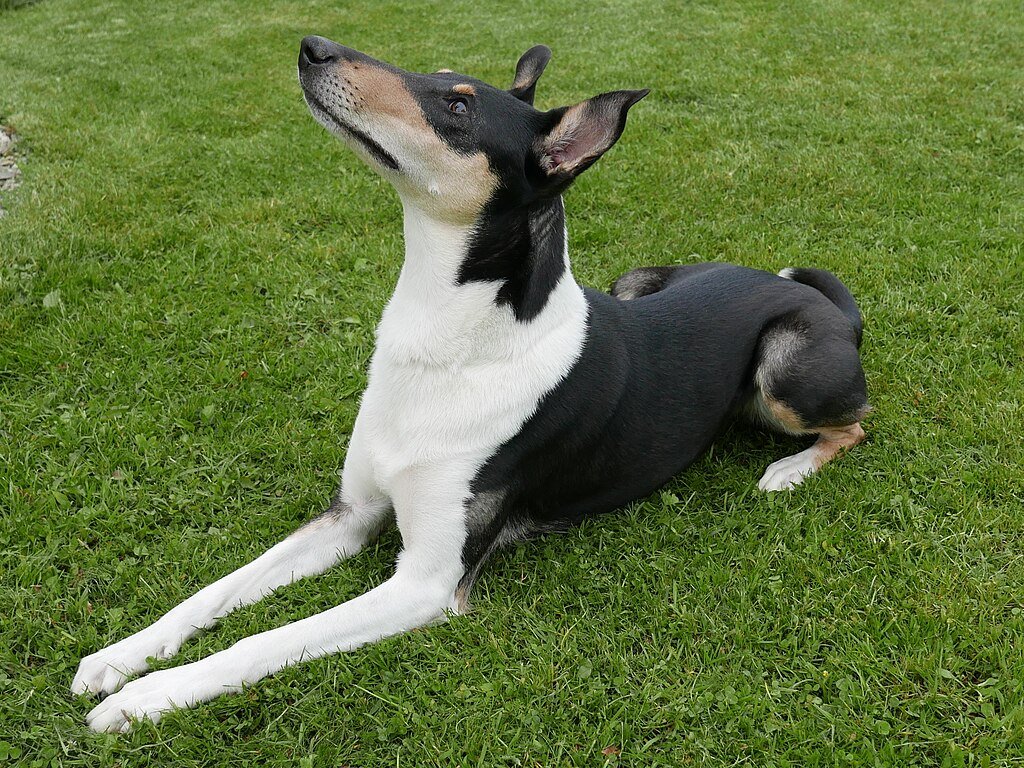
<point>581,138</point>
<point>585,131</point>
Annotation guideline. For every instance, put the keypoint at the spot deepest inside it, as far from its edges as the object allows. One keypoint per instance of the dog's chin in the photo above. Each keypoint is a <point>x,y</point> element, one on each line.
<point>372,152</point>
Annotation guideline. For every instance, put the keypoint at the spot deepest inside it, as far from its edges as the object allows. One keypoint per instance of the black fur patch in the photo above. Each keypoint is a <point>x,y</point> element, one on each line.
<point>654,384</point>
<point>523,248</point>
<point>834,289</point>
<point>823,381</point>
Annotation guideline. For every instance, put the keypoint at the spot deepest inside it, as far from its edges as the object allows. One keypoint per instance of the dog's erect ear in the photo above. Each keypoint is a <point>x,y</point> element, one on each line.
<point>583,133</point>
<point>528,72</point>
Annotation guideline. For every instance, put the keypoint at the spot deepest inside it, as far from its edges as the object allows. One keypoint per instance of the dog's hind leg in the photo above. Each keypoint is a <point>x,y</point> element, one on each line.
<point>808,381</point>
<point>643,281</point>
<point>353,519</point>
<point>431,517</point>
<point>791,471</point>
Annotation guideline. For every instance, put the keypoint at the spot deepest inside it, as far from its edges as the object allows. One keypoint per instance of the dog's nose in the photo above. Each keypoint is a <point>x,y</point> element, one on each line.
<point>319,50</point>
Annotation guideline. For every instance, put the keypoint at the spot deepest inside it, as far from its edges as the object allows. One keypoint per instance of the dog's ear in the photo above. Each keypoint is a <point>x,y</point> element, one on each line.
<point>583,133</point>
<point>528,71</point>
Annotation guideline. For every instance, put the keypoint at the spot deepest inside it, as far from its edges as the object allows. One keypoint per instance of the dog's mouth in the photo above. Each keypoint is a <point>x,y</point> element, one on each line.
<point>376,151</point>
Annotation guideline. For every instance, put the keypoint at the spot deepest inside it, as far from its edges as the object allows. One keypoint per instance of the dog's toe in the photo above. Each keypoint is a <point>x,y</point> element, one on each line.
<point>110,668</point>
<point>151,696</point>
<point>139,700</point>
<point>107,670</point>
<point>99,674</point>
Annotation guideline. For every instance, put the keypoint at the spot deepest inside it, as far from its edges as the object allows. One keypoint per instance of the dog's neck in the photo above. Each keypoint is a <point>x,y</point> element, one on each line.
<point>474,292</point>
<point>524,249</point>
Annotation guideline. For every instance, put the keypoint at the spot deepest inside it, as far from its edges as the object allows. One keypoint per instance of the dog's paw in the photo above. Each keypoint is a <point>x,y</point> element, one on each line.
<point>107,670</point>
<point>147,698</point>
<point>150,697</point>
<point>787,473</point>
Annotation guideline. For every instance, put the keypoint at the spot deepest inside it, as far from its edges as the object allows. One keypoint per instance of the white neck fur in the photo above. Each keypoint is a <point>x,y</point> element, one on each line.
<point>431,319</point>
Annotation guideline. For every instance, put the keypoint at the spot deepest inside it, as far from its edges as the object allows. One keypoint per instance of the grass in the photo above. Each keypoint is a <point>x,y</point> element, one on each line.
<point>189,280</point>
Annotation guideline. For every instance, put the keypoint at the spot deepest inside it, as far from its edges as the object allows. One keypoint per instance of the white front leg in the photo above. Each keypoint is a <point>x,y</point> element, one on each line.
<point>422,591</point>
<point>355,517</point>
<point>309,551</point>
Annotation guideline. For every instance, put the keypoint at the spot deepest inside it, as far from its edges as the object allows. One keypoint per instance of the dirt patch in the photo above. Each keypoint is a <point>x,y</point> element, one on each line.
<point>10,174</point>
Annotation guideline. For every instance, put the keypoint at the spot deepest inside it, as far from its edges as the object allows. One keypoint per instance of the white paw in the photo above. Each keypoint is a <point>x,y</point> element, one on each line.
<point>107,670</point>
<point>151,696</point>
<point>787,473</point>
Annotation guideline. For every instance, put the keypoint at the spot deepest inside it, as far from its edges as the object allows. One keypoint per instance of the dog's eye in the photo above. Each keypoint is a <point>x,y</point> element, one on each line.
<point>458,105</point>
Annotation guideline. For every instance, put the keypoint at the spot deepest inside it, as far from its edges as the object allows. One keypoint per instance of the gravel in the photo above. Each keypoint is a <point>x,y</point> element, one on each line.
<point>10,174</point>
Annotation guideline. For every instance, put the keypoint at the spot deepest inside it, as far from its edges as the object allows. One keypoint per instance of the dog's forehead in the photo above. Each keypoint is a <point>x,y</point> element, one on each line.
<point>447,80</point>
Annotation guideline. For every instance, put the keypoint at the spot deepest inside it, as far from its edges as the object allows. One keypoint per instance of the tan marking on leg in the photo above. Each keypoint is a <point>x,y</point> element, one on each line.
<point>791,470</point>
<point>783,416</point>
<point>833,441</point>
<point>462,599</point>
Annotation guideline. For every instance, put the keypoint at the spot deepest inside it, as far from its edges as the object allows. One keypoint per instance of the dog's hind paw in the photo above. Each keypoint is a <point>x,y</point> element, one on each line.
<point>791,471</point>
<point>788,473</point>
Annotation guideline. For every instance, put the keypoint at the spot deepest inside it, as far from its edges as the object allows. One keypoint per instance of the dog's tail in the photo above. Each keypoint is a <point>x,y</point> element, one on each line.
<point>825,282</point>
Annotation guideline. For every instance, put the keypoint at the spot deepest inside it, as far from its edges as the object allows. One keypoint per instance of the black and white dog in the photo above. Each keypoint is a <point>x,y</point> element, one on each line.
<point>504,399</point>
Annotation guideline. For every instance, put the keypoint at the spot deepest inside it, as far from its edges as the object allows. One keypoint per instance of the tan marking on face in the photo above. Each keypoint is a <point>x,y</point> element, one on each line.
<point>450,185</point>
<point>459,185</point>
<point>443,72</point>
<point>380,92</point>
<point>465,88</point>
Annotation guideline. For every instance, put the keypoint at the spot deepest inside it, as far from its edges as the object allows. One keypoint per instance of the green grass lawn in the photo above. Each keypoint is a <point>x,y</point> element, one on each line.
<point>190,276</point>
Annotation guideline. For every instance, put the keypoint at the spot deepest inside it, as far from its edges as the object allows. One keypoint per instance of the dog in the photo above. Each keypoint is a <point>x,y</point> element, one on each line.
<point>504,400</point>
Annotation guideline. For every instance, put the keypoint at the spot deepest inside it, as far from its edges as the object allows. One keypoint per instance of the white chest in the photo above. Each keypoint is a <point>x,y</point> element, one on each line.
<point>433,398</point>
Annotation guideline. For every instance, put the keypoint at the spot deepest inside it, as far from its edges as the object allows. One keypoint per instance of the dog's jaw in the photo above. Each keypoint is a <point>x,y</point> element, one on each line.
<point>355,138</point>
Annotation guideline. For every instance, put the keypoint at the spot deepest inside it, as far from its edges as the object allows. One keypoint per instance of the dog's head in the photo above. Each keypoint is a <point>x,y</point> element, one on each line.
<point>451,144</point>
